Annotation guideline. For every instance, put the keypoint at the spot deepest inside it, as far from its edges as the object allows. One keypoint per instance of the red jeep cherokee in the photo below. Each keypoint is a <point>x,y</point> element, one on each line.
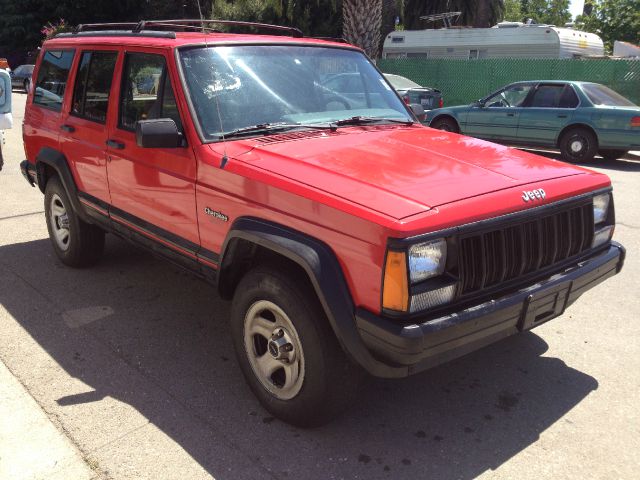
<point>349,237</point>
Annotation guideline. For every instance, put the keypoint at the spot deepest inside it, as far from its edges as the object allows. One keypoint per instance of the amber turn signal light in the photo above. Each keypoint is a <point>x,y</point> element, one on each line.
<point>395,292</point>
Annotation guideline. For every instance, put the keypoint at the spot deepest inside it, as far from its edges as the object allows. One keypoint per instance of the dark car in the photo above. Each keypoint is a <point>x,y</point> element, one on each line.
<point>412,93</point>
<point>21,77</point>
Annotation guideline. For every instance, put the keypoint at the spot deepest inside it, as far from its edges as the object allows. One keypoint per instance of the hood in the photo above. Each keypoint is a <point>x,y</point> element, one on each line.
<point>396,170</point>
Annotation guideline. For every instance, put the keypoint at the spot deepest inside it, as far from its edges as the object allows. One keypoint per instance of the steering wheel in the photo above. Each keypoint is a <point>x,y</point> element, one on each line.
<point>338,99</point>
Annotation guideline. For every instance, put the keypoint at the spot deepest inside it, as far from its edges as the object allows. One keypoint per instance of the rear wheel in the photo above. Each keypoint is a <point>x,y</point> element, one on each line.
<point>76,243</point>
<point>445,123</point>
<point>612,154</point>
<point>287,350</point>
<point>578,145</point>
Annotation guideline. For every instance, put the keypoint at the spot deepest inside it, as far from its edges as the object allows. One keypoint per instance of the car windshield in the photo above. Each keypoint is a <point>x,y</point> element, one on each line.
<point>401,83</point>
<point>601,95</point>
<point>235,87</point>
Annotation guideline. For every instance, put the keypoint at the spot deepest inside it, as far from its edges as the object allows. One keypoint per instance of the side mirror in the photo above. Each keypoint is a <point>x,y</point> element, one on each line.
<point>479,104</point>
<point>158,133</point>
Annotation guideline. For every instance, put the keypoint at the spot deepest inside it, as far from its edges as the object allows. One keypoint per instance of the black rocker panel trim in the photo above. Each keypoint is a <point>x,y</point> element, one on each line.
<point>324,271</point>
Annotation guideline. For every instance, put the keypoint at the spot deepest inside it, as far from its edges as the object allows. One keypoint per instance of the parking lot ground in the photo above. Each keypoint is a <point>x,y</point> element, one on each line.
<point>132,362</point>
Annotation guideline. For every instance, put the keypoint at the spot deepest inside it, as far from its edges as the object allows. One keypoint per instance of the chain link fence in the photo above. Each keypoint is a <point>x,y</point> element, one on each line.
<point>464,81</point>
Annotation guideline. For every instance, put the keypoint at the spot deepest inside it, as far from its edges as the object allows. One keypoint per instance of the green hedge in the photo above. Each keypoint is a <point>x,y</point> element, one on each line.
<point>464,81</point>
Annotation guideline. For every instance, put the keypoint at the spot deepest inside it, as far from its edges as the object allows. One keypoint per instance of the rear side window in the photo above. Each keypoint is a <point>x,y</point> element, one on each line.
<point>146,91</point>
<point>547,96</point>
<point>569,99</point>
<point>52,78</point>
<point>93,84</point>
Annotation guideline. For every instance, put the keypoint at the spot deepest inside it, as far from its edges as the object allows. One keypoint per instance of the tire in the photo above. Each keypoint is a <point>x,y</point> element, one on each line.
<point>578,145</point>
<point>76,243</point>
<point>445,123</point>
<point>322,381</point>
<point>610,155</point>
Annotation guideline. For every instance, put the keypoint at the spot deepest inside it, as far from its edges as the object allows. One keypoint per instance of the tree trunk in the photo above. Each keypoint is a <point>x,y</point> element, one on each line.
<point>362,20</point>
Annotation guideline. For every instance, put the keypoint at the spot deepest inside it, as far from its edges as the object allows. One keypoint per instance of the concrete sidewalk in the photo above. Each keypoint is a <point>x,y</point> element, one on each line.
<point>31,447</point>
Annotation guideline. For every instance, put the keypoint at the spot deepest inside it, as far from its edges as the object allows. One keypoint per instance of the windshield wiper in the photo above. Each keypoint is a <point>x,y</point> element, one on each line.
<point>361,120</point>
<point>265,128</point>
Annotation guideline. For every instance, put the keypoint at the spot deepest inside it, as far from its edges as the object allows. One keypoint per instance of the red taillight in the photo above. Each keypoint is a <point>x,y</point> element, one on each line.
<point>635,122</point>
<point>406,99</point>
<point>440,103</point>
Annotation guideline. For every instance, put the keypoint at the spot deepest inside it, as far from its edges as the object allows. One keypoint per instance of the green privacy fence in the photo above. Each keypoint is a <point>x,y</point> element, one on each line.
<point>464,81</point>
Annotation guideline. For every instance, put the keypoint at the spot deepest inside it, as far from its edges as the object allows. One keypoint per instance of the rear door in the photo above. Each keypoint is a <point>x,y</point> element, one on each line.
<point>546,113</point>
<point>152,189</point>
<point>43,113</point>
<point>83,132</point>
<point>498,116</point>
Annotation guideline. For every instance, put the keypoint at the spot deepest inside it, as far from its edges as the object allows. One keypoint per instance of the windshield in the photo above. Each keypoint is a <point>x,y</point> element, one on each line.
<point>234,87</point>
<point>601,95</point>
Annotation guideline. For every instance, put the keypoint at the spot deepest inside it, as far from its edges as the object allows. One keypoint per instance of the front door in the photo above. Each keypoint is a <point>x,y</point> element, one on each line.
<point>498,116</point>
<point>152,189</point>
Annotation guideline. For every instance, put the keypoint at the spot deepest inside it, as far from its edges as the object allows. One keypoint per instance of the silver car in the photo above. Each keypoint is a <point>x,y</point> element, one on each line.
<point>21,77</point>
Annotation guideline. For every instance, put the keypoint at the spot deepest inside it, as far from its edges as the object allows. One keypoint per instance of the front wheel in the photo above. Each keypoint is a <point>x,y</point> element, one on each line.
<point>446,124</point>
<point>76,243</point>
<point>287,350</point>
<point>578,145</point>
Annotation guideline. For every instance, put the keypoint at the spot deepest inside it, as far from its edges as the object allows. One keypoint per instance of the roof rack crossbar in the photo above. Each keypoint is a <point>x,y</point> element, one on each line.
<point>184,23</point>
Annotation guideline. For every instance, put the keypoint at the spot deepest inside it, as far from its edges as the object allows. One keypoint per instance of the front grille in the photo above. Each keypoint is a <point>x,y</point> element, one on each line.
<point>495,256</point>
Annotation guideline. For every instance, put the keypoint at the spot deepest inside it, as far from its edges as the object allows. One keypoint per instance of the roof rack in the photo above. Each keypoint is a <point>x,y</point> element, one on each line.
<point>182,24</point>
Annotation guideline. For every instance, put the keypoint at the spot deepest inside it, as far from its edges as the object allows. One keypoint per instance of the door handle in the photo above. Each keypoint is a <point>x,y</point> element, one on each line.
<point>562,116</point>
<point>68,128</point>
<point>511,114</point>
<point>115,144</point>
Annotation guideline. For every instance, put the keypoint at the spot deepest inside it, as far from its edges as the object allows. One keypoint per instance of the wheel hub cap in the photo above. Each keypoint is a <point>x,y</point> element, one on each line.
<point>59,221</point>
<point>274,349</point>
<point>576,146</point>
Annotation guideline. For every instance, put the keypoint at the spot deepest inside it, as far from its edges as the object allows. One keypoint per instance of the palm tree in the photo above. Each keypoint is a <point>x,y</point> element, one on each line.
<point>361,23</point>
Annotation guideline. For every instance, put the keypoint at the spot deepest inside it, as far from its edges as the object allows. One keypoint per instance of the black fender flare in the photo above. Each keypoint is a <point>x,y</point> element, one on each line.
<point>58,162</point>
<point>319,262</point>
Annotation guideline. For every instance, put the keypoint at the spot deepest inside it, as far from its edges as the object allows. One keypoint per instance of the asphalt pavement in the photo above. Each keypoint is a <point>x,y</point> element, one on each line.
<point>131,364</point>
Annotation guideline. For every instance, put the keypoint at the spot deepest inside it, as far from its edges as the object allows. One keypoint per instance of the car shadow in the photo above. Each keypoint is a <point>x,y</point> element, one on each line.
<point>147,334</point>
<point>629,163</point>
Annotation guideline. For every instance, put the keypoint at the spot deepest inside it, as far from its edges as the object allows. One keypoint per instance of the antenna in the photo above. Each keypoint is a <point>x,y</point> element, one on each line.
<point>201,17</point>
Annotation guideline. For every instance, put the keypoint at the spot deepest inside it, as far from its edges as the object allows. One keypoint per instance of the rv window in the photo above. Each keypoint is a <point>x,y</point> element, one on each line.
<point>397,39</point>
<point>473,54</point>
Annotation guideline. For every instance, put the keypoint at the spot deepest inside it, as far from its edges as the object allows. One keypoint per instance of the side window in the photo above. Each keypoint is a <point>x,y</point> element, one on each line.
<point>93,84</point>
<point>513,96</point>
<point>569,99</point>
<point>547,96</point>
<point>146,91</point>
<point>52,78</point>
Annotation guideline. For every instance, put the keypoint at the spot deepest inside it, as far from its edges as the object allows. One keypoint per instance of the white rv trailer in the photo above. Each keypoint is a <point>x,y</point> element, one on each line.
<point>506,40</point>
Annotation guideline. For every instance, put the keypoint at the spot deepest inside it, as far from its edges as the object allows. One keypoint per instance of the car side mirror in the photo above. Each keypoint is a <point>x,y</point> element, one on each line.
<point>417,109</point>
<point>158,133</point>
<point>479,104</point>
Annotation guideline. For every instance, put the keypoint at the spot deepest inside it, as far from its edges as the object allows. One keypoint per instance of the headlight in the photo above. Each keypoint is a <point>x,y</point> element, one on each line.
<point>600,207</point>
<point>427,260</point>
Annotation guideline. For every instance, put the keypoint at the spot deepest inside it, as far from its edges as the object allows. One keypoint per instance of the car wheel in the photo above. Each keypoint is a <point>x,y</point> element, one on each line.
<point>612,154</point>
<point>578,145</point>
<point>447,124</point>
<point>76,243</point>
<point>287,350</point>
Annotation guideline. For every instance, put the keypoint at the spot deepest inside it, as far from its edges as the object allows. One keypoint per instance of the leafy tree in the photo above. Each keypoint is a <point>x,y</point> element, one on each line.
<point>613,20</point>
<point>551,12</point>
<point>512,11</point>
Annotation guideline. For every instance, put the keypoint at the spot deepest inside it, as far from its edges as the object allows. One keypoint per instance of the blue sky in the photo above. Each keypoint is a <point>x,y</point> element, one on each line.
<point>576,7</point>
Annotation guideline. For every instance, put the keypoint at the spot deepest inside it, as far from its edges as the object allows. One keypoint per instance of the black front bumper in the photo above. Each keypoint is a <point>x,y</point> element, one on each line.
<point>409,349</point>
